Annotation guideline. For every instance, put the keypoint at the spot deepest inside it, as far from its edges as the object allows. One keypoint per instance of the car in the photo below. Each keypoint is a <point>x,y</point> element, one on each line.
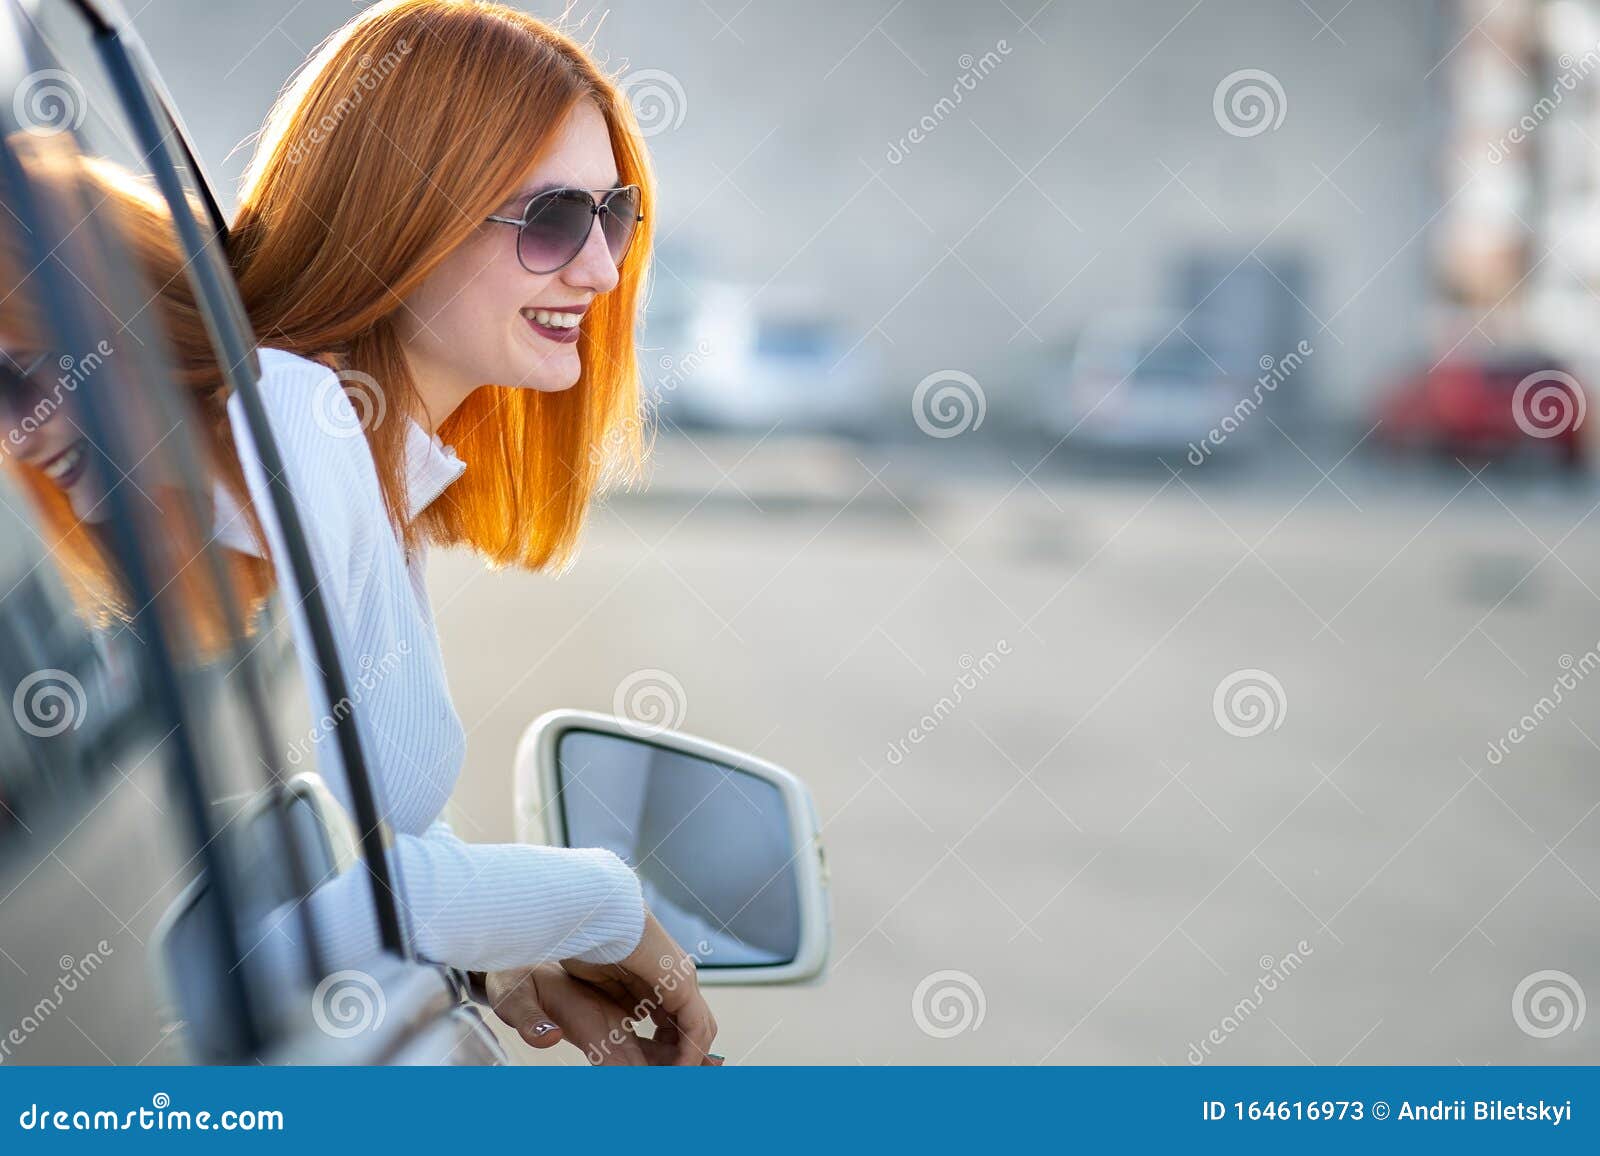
<point>1486,404</point>
<point>158,822</point>
<point>1133,385</point>
<point>726,356</point>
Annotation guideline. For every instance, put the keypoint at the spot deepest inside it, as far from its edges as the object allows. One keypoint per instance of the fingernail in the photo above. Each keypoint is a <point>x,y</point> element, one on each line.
<point>540,1029</point>
<point>714,1056</point>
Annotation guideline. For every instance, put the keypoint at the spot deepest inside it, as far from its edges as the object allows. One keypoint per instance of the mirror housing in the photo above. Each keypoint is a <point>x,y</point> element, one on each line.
<point>734,869</point>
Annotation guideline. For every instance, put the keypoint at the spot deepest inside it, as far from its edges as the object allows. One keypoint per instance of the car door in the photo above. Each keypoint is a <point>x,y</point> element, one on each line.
<point>237,964</point>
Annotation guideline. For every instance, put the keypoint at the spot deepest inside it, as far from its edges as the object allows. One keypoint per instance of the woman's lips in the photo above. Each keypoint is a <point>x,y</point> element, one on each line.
<point>67,468</point>
<point>562,336</point>
<point>547,321</point>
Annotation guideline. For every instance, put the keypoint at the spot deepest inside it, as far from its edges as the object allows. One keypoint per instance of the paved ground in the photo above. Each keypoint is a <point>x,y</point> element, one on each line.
<point>1112,870</point>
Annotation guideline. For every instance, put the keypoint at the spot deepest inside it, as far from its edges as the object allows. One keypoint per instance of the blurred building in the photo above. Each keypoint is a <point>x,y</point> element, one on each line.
<point>965,186</point>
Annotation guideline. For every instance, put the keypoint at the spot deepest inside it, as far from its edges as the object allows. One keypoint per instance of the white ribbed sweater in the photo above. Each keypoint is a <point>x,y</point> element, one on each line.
<point>473,906</point>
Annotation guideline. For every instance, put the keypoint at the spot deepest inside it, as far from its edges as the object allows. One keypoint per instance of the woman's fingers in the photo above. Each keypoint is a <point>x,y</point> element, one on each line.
<point>538,1029</point>
<point>593,1023</point>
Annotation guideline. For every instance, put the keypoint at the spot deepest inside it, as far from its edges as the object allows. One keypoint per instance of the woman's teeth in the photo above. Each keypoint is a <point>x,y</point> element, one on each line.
<point>63,464</point>
<point>554,320</point>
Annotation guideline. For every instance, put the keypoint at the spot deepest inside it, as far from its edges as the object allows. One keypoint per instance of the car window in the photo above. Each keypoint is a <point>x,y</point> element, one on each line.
<point>154,487</point>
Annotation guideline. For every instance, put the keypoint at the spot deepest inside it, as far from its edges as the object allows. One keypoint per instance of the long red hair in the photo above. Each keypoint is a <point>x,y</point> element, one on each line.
<point>411,124</point>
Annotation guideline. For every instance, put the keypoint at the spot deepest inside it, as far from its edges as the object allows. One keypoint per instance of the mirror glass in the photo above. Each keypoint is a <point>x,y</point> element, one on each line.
<point>711,843</point>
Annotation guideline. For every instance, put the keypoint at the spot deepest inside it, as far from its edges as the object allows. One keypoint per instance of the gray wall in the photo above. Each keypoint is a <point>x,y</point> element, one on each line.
<point>778,170</point>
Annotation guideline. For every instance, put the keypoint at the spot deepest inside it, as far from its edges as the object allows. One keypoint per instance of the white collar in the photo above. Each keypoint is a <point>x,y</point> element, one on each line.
<point>431,467</point>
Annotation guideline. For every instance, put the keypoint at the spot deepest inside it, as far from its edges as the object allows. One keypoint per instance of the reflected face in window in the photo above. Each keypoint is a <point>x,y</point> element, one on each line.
<point>36,425</point>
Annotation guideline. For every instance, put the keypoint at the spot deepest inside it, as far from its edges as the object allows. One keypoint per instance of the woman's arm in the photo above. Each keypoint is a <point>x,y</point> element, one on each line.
<point>473,906</point>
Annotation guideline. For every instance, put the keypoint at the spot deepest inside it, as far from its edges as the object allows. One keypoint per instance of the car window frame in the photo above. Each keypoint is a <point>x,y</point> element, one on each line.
<point>146,103</point>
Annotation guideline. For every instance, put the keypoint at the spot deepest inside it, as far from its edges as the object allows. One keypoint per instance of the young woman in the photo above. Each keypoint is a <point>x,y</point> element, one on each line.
<point>441,243</point>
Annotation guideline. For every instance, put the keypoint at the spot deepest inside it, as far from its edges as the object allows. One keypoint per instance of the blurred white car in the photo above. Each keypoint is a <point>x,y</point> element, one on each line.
<point>723,355</point>
<point>1137,384</point>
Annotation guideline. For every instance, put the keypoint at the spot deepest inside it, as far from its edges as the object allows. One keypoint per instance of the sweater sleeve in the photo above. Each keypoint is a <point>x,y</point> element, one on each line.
<point>475,906</point>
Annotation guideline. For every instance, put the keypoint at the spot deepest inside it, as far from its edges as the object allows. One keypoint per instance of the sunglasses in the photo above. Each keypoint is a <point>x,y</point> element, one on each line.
<point>556,224</point>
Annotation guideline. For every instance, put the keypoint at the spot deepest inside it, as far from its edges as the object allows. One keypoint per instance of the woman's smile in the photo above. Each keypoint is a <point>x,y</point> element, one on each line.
<point>558,324</point>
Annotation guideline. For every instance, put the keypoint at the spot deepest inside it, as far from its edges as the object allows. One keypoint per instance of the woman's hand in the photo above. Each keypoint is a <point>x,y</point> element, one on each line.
<point>546,1006</point>
<point>658,979</point>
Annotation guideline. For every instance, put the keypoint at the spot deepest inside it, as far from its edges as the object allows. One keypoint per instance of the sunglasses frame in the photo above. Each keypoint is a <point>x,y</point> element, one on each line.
<point>600,202</point>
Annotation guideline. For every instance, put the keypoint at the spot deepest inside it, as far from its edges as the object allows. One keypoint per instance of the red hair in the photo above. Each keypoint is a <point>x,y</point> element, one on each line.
<point>411,124</point>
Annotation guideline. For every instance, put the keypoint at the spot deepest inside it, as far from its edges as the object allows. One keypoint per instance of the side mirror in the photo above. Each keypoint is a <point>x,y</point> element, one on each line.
<point>726,845</point>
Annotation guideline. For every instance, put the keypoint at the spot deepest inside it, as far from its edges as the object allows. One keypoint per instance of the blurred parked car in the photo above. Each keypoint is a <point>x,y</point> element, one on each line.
<point>1489,404</point>
<point>1137,385</point>
<point>729,356</point>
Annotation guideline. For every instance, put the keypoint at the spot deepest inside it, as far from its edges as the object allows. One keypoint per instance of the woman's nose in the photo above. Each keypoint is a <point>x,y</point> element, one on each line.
<point>593,268</point>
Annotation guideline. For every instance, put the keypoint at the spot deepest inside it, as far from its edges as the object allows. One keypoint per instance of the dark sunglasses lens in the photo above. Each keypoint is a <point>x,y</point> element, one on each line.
<point>557,226</point>
<point>620,218</point>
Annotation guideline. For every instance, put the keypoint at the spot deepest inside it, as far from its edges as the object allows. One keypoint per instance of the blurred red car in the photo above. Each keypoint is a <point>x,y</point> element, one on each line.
<point>1494,405</point>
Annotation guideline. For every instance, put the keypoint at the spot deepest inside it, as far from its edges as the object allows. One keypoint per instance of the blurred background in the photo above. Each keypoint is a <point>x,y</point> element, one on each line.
<point>1131,461</point>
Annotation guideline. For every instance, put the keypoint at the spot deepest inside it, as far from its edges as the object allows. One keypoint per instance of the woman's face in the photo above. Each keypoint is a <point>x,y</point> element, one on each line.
<point>34,427</point>
<point>472,322</point>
